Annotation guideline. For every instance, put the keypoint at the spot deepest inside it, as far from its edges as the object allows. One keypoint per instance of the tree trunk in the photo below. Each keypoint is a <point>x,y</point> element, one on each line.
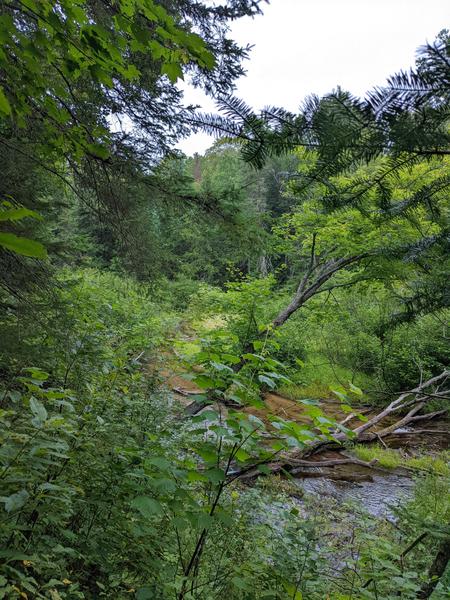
<point>313,281</point>
<point>437,569</point>
<point>315,277</point>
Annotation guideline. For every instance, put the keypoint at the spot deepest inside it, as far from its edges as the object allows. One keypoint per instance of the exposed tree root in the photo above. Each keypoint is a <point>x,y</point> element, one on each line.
<point>184,392</point>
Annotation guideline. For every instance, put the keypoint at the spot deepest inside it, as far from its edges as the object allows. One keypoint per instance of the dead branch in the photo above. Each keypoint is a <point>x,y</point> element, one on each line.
<point>184,392</point>
<point>355,415</point>
<point>414,400</point>
<point>404,401</point>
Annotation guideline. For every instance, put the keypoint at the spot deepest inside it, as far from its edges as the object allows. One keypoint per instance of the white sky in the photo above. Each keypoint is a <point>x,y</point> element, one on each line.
<point>311,46</point>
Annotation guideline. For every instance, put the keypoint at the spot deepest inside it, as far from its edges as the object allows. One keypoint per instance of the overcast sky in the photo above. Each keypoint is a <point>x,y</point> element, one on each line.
<point>310,46</point>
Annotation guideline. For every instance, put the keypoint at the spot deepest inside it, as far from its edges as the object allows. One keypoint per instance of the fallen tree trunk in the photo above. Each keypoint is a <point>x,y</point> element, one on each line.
<point>300,465</point>
<point>295,466</point>
<point>195,407</point>
<point>365,436</point>
<point>414,400</point>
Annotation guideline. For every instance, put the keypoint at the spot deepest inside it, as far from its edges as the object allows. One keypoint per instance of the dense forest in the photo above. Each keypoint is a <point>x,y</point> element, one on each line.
<point>224,375</point>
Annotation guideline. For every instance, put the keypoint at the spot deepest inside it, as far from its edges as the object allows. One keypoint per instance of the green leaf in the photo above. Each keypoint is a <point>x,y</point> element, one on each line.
<point>37,373</point>
<point>219,430</point>
<point>231,358</point>
<point>267,380</point>
<point>23,246</point>
<point>16,214</point>
<point>209,456</point>
<point>220,366</point>
<point>148,507</point>
<point>204,521</point>
<point>172,70</point>
<point>314,412</point>
<point>292,591</point>
<point>204,382</point>
<point>5,106</point>
<point>164,485</point>
<point>324,420</point>
<point>356,390</point>
<point>14,395</point>
<point>206,415</point>
<point>160,462</point>
<point>196,476</point>
<point>39,411</point>
<point>15,501</point>
<point>208,59</point>
<point>255,358</point>
<point>309,401</point>
<point>180,523</point>
<point>242,455</point>
<point>342,397</point>
<point>215,475</point>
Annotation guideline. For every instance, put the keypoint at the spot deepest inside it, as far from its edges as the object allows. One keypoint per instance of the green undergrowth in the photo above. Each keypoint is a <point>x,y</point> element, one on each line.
<point>79,415</point>
<point>390,458</point>
<point>316,378</point>
<point>280,484</point>
<point>316,390</point>
<point>85,324</point>
<point>300,543</point>
<point>107,493</point>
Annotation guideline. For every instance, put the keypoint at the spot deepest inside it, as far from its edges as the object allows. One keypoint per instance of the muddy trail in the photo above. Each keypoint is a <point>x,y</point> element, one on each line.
<point>378,490</point>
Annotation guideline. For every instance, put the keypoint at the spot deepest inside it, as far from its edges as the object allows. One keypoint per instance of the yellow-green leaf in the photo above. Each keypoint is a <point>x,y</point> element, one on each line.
<point>5,106</point>
<point>22,245</point>
<point>15,214</point>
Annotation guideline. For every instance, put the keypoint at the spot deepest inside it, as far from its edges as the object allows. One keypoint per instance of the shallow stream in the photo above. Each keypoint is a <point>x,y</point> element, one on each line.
<point>376,491</point>
<point>377,496</point>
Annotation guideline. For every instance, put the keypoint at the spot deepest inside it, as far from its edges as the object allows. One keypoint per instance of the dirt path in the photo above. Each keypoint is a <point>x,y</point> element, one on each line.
<point>174,373</point>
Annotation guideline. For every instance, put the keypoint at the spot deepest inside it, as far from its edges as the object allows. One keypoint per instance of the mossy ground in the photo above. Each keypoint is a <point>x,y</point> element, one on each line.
<point>390,458</point>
